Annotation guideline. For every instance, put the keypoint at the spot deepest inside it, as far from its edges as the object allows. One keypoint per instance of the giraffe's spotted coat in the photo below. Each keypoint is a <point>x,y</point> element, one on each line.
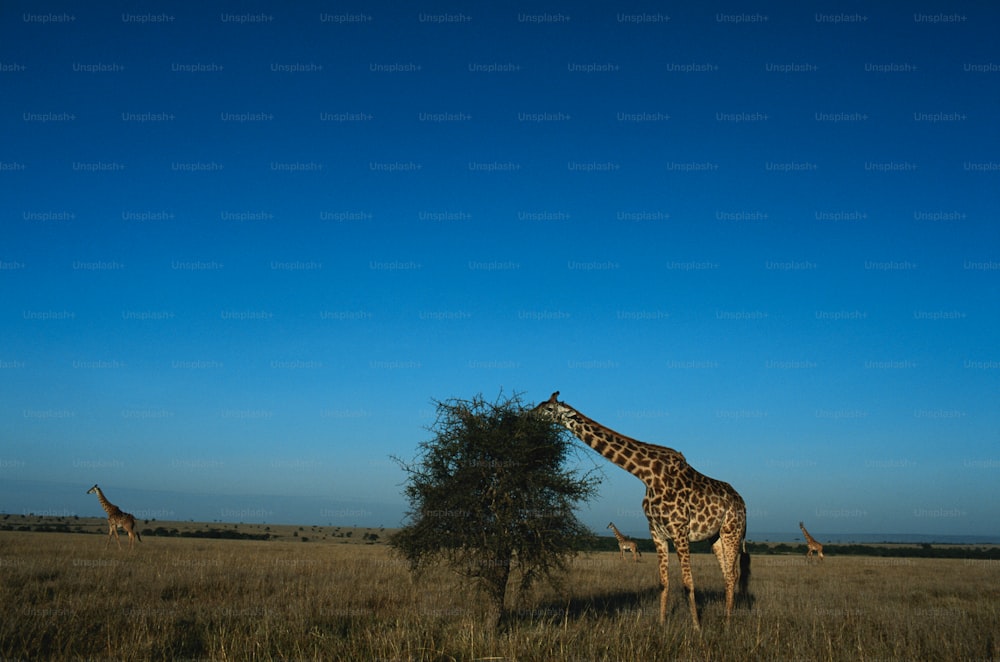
<point>116,517</point>
<point>681,504</point>
<point>812,545</point>
<point>625,543</point>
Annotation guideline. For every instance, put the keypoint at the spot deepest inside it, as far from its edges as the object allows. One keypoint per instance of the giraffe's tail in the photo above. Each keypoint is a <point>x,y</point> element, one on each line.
<point>744,568</point>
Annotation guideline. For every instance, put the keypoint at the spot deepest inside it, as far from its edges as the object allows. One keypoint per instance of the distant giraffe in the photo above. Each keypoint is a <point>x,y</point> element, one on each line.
<point>625,543</point>
<point>681,504</point>
<point>116,518</point>
<point>812,544</point>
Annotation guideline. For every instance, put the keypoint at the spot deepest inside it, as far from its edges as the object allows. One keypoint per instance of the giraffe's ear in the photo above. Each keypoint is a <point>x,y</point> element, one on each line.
<point>554,397</point>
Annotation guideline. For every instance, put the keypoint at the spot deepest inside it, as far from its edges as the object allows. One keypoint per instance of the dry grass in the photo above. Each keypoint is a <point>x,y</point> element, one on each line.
<point>65,596</point>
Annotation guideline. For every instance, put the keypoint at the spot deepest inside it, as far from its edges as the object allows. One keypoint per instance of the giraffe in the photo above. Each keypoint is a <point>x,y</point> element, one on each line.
<point>116,518</point>
<point>812,544</point>
<point>681,504</point>
<point>625,543</point>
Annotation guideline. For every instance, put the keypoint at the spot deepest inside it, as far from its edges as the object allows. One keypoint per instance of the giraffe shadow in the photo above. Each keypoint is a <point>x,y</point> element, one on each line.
<point>617,603</point>
<point>706,597</point>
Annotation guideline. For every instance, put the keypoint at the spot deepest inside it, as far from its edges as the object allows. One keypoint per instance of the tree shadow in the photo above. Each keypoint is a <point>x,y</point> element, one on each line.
<point>588,606</point>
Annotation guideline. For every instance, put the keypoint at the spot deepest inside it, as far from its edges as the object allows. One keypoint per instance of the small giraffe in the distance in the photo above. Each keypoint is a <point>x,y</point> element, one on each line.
<point>117,517</point>
<point>812,544</point>
<point>625,543</point>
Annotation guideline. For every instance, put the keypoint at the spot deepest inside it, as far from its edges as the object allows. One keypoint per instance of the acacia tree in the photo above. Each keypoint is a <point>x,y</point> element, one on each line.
<point>491,496</point>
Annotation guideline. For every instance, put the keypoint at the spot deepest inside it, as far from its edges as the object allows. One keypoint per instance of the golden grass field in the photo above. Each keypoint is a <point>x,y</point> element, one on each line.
<point>66,596</point>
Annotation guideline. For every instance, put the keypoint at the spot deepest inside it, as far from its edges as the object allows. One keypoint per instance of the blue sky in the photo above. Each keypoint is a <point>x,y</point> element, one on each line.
<point>243,251</point>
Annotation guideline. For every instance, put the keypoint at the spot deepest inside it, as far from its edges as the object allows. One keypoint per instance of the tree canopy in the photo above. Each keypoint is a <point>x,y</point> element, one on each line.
<point>492,496</point>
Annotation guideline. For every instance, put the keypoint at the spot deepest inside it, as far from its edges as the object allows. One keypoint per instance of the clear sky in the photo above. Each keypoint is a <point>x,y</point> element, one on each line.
<point>245,246</point>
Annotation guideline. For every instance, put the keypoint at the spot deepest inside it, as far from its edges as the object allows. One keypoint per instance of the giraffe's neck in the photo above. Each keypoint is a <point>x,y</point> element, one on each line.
<point>630,454</point>
<point>617,533</point>
<point>108,507</point>
<point>809,538</point>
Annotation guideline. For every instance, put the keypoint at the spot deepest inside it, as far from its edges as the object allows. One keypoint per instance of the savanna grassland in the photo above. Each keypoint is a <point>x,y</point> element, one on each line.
<point>65,596</point>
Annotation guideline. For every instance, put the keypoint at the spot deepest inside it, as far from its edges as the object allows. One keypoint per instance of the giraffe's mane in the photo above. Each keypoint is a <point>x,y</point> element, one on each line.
<point>652,448</point>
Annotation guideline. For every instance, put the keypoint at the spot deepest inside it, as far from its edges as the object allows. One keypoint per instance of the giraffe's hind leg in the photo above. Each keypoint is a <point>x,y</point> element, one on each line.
<point>728,553</point>
<point>129,526</point>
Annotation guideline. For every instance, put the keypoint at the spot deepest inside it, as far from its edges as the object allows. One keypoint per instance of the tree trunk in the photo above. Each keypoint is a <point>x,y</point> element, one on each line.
<point>496,590</point>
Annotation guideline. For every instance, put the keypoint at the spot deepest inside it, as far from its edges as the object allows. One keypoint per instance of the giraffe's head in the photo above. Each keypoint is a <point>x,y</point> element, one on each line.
<point>551,408</point>
<point>610,525</point>
<point>92,490</point>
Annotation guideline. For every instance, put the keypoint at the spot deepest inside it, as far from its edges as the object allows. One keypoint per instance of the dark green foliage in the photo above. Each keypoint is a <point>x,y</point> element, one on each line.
<point>490,496</point>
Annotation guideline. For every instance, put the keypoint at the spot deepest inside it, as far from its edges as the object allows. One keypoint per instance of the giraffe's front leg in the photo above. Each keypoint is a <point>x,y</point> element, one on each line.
<point>663,559</point>
<point>684,555</point>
